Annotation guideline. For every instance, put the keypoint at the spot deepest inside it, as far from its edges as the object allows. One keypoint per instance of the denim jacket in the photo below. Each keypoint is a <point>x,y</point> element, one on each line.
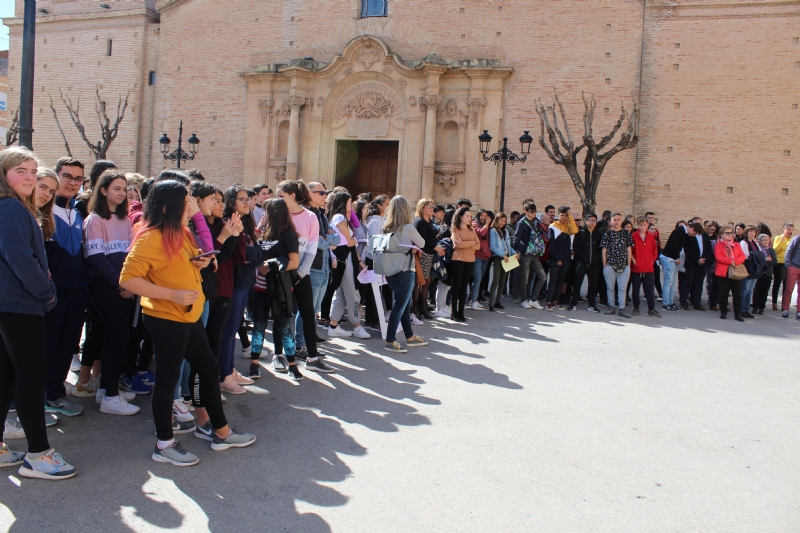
<point>500,246</point>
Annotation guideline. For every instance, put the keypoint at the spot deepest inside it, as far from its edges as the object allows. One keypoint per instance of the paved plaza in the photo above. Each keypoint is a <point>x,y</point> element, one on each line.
<point>517,421</point>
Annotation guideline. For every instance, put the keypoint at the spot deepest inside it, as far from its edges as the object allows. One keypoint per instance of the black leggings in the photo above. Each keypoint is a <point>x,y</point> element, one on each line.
<point>23,357</point>
<point>304,299</point>
<point>777,276</point>
<point>335,280</point>
<point>173,342</point>
<point>461,271</point>
<point>219,308</point>
<point>116,315</point>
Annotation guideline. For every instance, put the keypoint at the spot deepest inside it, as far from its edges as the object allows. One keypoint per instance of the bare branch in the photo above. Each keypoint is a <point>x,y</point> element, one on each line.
<point>58,124</point>
<point>564,118</point>
<point>12,134</point>
<point>74,114</point>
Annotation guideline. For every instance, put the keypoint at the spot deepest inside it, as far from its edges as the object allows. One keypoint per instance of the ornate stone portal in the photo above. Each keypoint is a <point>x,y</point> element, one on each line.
<point>433,108</point>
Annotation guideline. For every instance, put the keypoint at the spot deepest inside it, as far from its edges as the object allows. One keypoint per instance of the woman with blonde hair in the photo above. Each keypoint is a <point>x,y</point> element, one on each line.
<point>423,223</point>
<point>46,187</point>
<point>398,221</point>
<point>26,293</point>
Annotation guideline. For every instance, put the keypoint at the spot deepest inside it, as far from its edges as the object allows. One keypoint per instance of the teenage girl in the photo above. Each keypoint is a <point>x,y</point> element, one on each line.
<point>163,268</point>
<point>26,293</point>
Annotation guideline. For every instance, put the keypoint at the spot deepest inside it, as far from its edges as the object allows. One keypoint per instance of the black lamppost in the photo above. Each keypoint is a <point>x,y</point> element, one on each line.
<point>26,81</point>
<point>179,154</point>
<point>503,155</point>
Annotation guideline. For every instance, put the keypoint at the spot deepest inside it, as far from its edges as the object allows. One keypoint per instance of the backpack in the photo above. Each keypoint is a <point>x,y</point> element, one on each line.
<point>536,245</point>
<point>388,258</point>
<point>756,263</point>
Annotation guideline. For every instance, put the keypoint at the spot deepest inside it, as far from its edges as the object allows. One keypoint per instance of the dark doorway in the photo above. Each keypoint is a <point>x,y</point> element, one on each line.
<point>367,166</point>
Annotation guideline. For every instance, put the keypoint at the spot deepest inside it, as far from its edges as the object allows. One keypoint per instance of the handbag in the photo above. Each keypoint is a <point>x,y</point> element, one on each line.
<point>418,271</point>
<point>737,272</point>
<point>388,258</point>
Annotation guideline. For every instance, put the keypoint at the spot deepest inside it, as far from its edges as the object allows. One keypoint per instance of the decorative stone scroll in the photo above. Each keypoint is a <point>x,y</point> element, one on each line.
<point>368,57</point>
<point>369,101</point>
<point>475,105</point>
<point>264,105</point>
<point>448,175</point>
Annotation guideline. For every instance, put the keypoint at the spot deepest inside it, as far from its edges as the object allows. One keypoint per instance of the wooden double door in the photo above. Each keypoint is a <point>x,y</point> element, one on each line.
<point>367,166</point>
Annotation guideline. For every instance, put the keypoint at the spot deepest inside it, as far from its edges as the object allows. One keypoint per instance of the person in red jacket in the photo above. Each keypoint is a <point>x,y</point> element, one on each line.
<point>643,256</point>
<point>727,253</point>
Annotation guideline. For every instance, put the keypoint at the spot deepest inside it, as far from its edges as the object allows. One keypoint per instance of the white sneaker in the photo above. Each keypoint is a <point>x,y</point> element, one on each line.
<point>75,366</point>
<point>526,304</point>
<point>416,321</point>
<point>535,304</point>
<point>116,405</point>
<point>442,313</point>
<point>475,305</point>
<point>181,412</point>
<point>360,332</point>
<point>101,393</point>
<point>339,332</point>
<point>13,430</point>
<point>69,387</point>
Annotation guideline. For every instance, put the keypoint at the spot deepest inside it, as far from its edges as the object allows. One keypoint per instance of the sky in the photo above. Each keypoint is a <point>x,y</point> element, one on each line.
<point>6,10</point>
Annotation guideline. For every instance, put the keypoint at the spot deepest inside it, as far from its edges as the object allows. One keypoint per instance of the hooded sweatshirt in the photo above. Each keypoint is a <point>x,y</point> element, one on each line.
<point>65,250</point>
<point>560,244</point>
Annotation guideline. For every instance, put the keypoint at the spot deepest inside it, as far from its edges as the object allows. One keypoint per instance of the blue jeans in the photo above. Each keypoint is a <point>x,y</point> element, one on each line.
<point>670,280</point>
<point>748,285</point>
<point>319,282</point>
<point>477,274</point>
<point>402,285</point>
<point>228,344</point>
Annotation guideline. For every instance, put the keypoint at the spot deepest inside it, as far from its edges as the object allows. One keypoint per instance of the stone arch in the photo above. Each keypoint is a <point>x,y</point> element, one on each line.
<point>283,139</point>
<point>450,142</point>
<point>342,88</point>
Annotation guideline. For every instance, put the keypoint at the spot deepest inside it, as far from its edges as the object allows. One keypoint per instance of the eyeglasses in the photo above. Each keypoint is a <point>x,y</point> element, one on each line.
<point>321,193</point>
<point>727,233</point>
<point>244,200</point>
<point>70,179</point>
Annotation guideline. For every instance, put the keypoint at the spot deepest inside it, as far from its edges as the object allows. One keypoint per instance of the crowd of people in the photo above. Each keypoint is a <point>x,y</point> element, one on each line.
<point>160,276</point>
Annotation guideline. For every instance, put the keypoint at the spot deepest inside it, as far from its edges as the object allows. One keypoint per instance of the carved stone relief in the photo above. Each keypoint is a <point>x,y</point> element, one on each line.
<point>331,83</point>
<point>264,105</point>
<point>475,105</point>
<point>368,100</point>
<point>320,101</point>
<point>387,70</point>
<point>412,101</point>
<point>368,57</point>
<point>347,71</point>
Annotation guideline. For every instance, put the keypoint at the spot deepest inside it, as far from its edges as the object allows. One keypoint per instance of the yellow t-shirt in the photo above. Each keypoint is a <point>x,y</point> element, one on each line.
<point>779,244</point>
<point>148,259</point>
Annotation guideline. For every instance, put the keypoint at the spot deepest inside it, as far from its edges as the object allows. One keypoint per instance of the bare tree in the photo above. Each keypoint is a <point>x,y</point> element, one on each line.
<point>563,151</point>
<point>60,130</point>
<point>108,131</point>
<point>12,133</point>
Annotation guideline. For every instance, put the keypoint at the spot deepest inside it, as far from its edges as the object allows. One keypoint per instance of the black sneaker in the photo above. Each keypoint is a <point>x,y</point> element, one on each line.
<point>254,373</point>
<point>571,308</point>
<point>321,340</point>
<point>319,366</point>
<point>301,354</point>
<point>294,372</point>
<point>593,310</point>
<point>499,306</point>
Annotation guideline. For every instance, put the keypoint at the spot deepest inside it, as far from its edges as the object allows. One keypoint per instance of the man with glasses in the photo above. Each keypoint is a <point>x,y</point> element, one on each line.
<point>320,268</point>
<point>65,260</point>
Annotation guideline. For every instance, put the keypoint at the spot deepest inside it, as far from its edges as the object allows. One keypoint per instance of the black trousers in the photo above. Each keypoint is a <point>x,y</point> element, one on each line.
<point>761,291</point>
<point>569,281</point>
<point>557,275</point>
<point>602,288</point>
<point>592,272</point>
<point>692,287</point>
<point>461,273</point>
<point>63,327</point>
<point>777,270</point>
<point>372,308</point>
<point>93,343</point>
<point>219,308</point>
<point>116,315</point>
<point>334,281</point>
<point>173,342</point>
<point>725,286</point>
<point>657,277</point>
<point>648,280</point>
<point>23,359</point>
<point>304,298</point>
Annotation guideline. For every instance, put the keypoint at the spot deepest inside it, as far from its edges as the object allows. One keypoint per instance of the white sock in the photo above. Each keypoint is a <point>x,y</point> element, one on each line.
<point>163,444</point>
<point>109,398</point>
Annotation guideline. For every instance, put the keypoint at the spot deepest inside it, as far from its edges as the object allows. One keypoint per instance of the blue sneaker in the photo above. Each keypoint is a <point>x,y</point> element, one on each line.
<point>49,465</point>
<point>134,385</point>
<point>148,378</point>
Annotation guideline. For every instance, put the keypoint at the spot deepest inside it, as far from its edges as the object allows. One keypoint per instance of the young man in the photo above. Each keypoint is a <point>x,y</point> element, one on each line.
<point>644,254</point>
<point>697,254</point>
<point>463,202</point>
<point>588,257</point>
<point>529,245</point>
<point>65,260</point>
<point>320,268</point>
<point>670,258</point>
<point>616,246</point>
<point>263,193</point>
<point>560,246</point>
<point>550,211</point>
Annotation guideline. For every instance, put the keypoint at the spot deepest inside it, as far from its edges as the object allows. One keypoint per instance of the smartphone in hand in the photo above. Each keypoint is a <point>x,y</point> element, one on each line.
<point>207,254</point>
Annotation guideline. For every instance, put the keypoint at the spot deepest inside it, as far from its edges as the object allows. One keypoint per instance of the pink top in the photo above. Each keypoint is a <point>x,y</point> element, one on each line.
<point>203,232</point>
<point>307,226</point>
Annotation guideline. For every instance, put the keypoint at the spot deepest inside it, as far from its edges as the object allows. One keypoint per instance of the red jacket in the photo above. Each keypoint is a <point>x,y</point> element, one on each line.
<point>483,236</point>
<point>644,253</point>
<point>727,252</point>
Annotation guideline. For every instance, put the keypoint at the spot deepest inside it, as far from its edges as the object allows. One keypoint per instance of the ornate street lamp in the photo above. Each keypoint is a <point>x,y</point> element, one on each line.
<point>503,155</point>
<point>179,154</point>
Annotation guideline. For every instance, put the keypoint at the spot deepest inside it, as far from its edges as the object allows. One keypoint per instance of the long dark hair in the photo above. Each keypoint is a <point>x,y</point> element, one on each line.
<point>337,205</point>
<point>497,219</point>
<point>457,217</point>
<point>230,208</point>
<point>163,211</point>
<point>299,189</point>
<point>99,201</point>
<point>278,219</point>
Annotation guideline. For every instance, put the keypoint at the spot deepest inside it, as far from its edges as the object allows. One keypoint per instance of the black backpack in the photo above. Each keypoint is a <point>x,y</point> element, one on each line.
<point>756,264</point>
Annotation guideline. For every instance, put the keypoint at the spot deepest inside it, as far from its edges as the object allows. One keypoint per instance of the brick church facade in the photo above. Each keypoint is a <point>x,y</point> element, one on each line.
<point>390,96</point>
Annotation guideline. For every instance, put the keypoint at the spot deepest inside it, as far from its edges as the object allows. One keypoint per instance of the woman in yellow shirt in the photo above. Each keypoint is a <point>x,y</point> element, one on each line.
<point>163,268</point>
<point>779,244</point>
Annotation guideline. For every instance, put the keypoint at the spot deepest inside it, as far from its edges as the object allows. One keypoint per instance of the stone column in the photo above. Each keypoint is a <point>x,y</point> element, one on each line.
<point>293,149</point>
<point>431,101</point>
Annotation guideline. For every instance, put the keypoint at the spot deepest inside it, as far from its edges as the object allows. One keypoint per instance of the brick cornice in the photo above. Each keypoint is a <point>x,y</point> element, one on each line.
<point>164,5</point>
<point>94,15</point>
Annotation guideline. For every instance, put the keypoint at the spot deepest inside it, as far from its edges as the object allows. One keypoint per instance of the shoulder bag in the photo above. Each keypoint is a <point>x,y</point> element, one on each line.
<point>388,257</point>
<point>738,272</point>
